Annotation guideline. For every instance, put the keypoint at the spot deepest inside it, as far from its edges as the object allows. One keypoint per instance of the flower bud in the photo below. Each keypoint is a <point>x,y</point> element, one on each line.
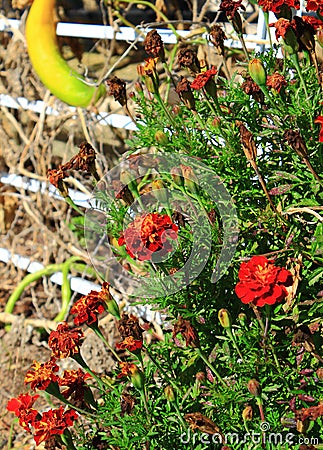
<point>190,179</point>
<point>113,308</point>
<point>161,137</point>
<point>159,191</point>
<point>242,319</point>
<point>169,393</point>
<point>257,71</point>
<point>176,174</point>
<point>224,318</point>
<point>138,379</point>
<point>247,413</point>
<point>254,388</point>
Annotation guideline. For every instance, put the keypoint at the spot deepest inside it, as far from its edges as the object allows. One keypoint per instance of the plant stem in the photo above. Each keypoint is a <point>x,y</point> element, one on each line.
<point>98,332</point>
<point>207,362</point>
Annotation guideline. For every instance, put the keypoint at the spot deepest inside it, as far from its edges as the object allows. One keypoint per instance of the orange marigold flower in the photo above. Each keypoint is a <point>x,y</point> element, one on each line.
<point>130,343</point>
<point>203,78</point>
<point>148,234</point>
<point>87,308</point>
<point>53,422</point>
<point>22,407</point>
<point>127,369</point>
<point>319,120</point>
<point>276,81</point>
<point>40,375</point>
<point>65,341</point>
<point>261,282</point>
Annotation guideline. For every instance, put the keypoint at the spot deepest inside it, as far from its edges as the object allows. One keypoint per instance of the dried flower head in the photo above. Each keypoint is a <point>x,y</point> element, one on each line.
<point>154,45</point>
<point>185,93</point>
<point>188,332</point>
<point>217,37</point>
<point>276,81</point>
<point>295,140</point>
<point>187,57</point>
<point>129,326</point>
<point>252,88</point>
<point>261,282</point>
<point>56,177</point>
<point>117,88</point>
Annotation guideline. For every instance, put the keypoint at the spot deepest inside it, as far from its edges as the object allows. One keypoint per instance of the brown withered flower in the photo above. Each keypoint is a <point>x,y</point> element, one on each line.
<point>252,88</point>
<point>247,141</point>
<point>198,421</point>
<point>276,81</point>
<point>117,88</point>
<point>295,140</point>
<point>122,192</point>
<point>84,160</point>
<point>187,57</point>
<point>56,178</point>
<point>188,332</point>
<point>154,45</point>
<point>183,89</point>
<point>127,403</point>
<point>217,37</point>
<point>128,326</point>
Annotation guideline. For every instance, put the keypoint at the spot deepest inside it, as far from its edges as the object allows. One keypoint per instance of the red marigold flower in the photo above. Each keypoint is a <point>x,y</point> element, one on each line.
<point>276,5</point>
<point>22,407</point>
<point>203,78</point>
<point>276,81</point>
<point>230,7</point>
<point>316,23</point>
<point>22,402</point>
<point>87,309</point>
<point>40,375</point>
<point>65,341</point>
<point>314,5</point>
<point>319,120</point>
<point>130,343</point>
<point>148,234</point>
<point>261,282</point>
<point>53,422</point>
<point>89,306</point>
<point>75,382</point>
<point>282,26</point>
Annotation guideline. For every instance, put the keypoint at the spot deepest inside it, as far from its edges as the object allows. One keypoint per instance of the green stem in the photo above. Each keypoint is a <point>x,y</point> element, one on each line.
<point>70,202</point>
<point>79,359</point>
<point>210,366</point>
<point>234,342</point>
<point>295,61</point>
<point>157,11</point>
<point>97,331</point>
<point>66,289</point>
<point>27,280</point>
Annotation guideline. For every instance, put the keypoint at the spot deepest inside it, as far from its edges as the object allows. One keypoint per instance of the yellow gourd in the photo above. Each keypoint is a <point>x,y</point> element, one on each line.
<point>54,72</point>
